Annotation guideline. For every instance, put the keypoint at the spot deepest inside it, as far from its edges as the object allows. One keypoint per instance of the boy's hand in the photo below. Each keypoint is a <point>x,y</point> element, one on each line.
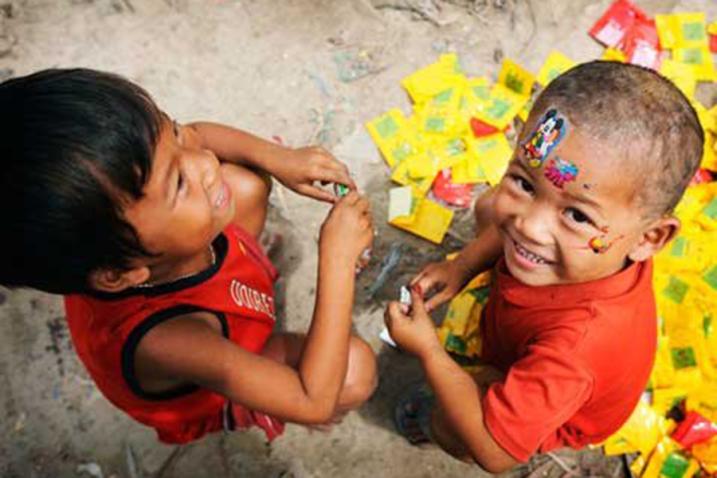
<point>445,279</point>
<point>413,331</point>
<point>347,230</point>
<point>298,169</point>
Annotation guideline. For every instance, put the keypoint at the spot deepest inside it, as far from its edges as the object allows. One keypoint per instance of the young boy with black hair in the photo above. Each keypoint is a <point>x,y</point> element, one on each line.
<point>149,228</point>
<point>569,331</point>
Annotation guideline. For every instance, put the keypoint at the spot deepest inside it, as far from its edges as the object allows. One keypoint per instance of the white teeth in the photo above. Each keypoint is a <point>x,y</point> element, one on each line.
<point>529,255</point>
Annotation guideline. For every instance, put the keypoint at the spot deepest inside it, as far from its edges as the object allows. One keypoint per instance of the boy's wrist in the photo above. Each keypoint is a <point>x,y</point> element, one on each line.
<point>432,353</point>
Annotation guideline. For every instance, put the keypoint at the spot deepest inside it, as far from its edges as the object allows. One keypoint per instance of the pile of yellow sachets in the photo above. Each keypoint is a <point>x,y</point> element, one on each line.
<point>454,138</point>
<point>456,133</point>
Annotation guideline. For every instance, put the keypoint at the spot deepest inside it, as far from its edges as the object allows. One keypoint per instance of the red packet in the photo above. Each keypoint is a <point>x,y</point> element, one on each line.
<point>694,429</point>
<point>611,28</point>
<point>713,43</point>
<point>459,195</point>
<point>701,176</point>
<point>641,44</point>
<point>481,128</point>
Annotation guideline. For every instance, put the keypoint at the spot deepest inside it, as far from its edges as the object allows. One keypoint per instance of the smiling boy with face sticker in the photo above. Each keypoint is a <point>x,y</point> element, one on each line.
<point>569,330</point>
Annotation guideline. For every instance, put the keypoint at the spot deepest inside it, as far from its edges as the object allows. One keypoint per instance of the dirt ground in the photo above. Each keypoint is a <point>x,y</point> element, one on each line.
<point>275,68</point>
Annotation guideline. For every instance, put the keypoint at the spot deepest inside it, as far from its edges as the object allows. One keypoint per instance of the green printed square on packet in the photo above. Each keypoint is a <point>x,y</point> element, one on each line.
<point>683,357</point>
<point>694,31</point>
<point>679,247</point>
<point>387,127</point>
<point>676,290</point>
<point>711,209</point>
<point>675,466</point>
<point>711,277</point>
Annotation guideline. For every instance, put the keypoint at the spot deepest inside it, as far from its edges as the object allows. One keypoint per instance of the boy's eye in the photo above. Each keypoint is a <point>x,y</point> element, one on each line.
<point>577,216</point>
<point>522,183</point>
<point>180,182</point>
<point>177,131</point>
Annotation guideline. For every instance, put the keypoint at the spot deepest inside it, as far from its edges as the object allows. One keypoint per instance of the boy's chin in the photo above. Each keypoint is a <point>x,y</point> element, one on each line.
<point>541,276</point>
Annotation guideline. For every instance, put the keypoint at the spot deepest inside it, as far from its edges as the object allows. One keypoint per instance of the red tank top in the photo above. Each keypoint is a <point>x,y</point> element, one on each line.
<point>106,329</point>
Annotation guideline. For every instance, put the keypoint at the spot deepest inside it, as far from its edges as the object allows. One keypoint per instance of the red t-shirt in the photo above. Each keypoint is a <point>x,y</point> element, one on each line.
<point>106,329</point>
<point>577,358</point>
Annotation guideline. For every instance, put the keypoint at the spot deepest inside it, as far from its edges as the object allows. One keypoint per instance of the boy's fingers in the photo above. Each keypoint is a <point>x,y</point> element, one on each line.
<point>393,312</point>
<point>435,301</point>
<point>417,278</point>
<point>317,193</point>
<point>331,175</point>
<point>417,299</point>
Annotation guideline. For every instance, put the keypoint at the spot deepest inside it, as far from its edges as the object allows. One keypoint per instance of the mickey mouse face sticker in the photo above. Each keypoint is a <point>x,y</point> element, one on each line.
<point>547,135</point>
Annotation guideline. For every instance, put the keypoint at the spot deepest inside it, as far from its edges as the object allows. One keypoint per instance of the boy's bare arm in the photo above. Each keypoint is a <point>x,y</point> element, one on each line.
<point>189,349</point>
<point>298,169</point>
<point>456,391</point>
<point>460,399</point>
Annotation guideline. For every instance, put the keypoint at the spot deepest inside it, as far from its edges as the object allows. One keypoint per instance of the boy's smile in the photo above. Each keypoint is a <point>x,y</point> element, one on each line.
<point>565,210</point>
<point>186,204</point>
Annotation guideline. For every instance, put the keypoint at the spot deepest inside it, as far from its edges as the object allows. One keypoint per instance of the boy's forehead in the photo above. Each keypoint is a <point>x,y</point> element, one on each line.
<point>601,168</point>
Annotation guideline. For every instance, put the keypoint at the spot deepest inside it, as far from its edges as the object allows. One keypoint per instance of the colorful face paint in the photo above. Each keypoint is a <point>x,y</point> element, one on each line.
<point>559,172</point>
<point>549,132</point>
<point>599,244</point>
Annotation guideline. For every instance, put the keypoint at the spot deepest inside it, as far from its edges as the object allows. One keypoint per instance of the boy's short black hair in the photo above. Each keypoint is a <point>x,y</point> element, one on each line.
<point>643,116</point>
<point>76,146</point>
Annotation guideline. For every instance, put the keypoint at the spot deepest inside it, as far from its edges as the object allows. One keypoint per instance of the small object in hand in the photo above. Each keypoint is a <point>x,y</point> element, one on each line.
<point>340,190</point>
<point>405,296</point>
<point>386,337</point>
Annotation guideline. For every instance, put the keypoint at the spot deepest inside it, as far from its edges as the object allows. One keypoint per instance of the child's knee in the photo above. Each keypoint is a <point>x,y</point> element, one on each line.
<point>361,377</point>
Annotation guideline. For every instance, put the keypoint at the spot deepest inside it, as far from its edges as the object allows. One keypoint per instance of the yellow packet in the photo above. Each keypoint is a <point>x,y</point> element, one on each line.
<point>681,30</point>
<point>417,215</point>
<point>706,453</point>
<point>468,171</point>
<point>501,107</point>
<point>389,132</point>
<point>516,78</point>
<point>681,74</point>
<point>644,429</point>
<point>700,59</point>
<point>493,153</point>
<point>554,65</point>
<point>440,114</point>
<point>667,461</point>
<point>613,54</point>
<point>424,84</point>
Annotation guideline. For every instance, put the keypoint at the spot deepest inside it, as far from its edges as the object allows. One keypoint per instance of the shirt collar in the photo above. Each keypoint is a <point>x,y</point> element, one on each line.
<point>615,285</point>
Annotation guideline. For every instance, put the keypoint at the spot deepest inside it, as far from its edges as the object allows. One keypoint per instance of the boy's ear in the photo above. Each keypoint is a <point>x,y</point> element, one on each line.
<point>113,280</point>
<point>659,233</point>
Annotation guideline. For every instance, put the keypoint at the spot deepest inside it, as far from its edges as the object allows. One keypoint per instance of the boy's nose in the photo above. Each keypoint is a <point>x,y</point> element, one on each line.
<point>209,167</point>
<point>535,225</point>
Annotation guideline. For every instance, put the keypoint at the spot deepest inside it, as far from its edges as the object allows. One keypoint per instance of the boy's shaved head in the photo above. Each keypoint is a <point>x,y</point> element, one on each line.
<point>642,117</point>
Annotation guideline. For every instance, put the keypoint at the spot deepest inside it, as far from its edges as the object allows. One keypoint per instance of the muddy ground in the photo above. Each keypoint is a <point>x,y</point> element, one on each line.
<point>274,68</point>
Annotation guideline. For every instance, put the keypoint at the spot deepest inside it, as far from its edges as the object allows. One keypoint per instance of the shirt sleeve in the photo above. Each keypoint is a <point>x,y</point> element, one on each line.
<point>541,392</point>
